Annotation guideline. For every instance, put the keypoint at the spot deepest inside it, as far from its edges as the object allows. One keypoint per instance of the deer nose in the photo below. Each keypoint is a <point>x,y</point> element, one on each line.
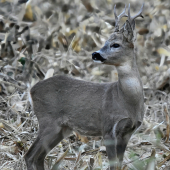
<point>97,57</point>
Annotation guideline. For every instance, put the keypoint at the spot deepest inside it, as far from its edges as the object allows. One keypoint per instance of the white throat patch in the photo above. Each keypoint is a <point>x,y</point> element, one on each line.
<point>97,61</point>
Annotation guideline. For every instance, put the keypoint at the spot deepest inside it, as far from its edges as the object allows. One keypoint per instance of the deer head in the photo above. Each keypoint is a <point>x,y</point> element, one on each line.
<point>120,46</point>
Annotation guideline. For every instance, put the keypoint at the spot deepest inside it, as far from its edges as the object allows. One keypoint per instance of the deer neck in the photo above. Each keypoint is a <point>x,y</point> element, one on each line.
<point>130,84</point>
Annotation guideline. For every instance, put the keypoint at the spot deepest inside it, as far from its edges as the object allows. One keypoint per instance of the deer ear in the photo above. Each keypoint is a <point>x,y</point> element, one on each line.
<point>127,31</point>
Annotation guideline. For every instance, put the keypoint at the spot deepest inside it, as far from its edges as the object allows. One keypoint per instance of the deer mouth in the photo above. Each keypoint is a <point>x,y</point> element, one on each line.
<point>97,57</point>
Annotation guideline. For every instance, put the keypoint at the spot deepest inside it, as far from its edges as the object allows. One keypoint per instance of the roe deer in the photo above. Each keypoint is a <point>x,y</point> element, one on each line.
<point>112,110</point>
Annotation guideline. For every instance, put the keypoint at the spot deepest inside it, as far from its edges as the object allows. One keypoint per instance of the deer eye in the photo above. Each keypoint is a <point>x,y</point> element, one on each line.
<point>115,45</point>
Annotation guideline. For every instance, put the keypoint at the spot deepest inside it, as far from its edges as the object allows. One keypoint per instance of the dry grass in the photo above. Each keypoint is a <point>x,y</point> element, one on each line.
<point>60,40</point>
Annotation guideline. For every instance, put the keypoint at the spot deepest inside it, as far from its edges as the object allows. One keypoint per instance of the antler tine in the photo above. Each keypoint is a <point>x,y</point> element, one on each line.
<point>118,18</point>
<point>115,12</point>
<point>123,14</point>
<point>129,17</point>
<point>132,19</point>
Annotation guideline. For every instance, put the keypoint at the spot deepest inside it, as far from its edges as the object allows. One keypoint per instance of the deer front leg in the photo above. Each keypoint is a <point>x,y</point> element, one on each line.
<point>116,142</point>
<point>110,143</point>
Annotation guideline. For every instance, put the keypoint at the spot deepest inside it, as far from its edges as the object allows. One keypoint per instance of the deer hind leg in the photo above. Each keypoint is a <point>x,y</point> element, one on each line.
<point>47,139</point>
<point>116,142</point>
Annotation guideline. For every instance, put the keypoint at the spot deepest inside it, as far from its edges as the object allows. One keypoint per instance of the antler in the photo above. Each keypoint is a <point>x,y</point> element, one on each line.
<point>132,19</point>
<point>118,18</point>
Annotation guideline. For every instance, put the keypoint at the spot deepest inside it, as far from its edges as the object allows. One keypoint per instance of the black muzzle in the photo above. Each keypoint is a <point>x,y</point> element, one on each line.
<point>97,57</point>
